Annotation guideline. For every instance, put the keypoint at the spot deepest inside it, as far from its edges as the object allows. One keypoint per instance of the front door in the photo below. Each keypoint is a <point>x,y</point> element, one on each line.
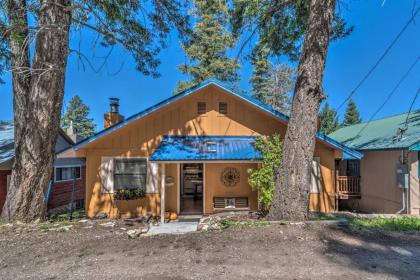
<point>192,185</point>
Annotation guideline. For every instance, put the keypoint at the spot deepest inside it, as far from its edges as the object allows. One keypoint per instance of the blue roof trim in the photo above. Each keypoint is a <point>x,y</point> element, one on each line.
<point>206,148</point>
<point>415,147</point>
<point>197,87</point>
<point>347,152</point>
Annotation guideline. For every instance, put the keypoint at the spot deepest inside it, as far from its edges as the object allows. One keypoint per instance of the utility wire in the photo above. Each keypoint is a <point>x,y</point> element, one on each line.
<point>389,96</point>
<point>411,106</point>
<point>379,60</point>
<point>401,130</point>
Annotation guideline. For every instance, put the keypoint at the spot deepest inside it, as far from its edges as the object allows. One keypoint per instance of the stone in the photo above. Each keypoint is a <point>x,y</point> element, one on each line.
<point>61,229</point>
<point>101,215</point>
<point>84,221</point>
<point>108,224</point>
<point>134,233</point>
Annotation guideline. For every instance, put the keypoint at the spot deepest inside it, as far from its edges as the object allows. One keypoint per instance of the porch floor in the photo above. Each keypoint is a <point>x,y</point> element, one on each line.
<point>173,228</point>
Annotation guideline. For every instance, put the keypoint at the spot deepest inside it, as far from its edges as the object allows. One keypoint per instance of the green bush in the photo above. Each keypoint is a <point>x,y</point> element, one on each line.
<point>263,178</point>
<point>129,194</point>
<point>397,224</point>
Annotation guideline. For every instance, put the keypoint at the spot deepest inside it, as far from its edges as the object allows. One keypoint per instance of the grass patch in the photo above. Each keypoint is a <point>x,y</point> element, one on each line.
<point>395,224</point>
<point>321,217</point>
<point>225,224</point>
<point>79,214</point>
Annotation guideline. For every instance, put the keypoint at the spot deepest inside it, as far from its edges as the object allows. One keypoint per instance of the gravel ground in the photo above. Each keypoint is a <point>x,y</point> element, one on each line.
<point>311,251</point>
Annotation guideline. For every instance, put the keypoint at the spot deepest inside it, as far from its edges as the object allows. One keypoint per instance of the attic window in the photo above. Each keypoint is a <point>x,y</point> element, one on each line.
<point>201,108</point>
<point>223,108</point>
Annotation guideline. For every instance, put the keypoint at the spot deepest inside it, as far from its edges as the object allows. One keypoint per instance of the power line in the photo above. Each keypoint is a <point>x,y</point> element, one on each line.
<point>379,60</point>
<point>389,95</point>
<point>411,106</point>
<point>402,129</point>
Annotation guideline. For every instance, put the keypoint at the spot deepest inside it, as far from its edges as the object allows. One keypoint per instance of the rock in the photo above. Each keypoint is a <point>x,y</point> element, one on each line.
<point>108,224</point>
<point>61,229</point>
<point>101,215</point>
<point>134,233</point>
<point>83,221</point>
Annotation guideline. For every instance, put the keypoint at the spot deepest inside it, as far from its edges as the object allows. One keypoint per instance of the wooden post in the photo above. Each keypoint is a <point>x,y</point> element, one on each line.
<point>162,195</point>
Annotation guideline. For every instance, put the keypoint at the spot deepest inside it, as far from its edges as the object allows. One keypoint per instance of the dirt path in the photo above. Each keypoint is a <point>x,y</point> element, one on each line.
<point>315,251</point>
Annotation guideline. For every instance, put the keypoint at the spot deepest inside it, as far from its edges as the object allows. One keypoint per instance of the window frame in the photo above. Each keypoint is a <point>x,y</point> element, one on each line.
<point>115,159</point>
<point>67,166</point>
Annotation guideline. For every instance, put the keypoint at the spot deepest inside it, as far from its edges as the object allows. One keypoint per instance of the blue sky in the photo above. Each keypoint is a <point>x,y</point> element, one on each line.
<point>376,24</point>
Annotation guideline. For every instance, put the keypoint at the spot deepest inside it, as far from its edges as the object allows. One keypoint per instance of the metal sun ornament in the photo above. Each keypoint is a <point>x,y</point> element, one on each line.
<point>230,176</point>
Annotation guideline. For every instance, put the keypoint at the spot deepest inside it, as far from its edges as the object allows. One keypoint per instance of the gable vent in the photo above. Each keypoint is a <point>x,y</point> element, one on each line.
<point>223,108</point>
<point>201,108</point>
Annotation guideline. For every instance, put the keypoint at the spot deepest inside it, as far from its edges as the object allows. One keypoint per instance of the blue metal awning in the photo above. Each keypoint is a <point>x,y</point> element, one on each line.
<point>206,148</point>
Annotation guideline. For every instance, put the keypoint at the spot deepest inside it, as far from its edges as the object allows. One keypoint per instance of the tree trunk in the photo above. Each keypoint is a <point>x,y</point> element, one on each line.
<point>291,195</point>
<point>37,107</point>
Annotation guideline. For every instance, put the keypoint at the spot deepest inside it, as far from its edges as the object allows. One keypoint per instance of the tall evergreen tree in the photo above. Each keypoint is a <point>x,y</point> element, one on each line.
<point>207,46</point>
<point>279,93</point>
<point>260,79</point>
<point>352,115</point>
<point>271,84</point>
<point>328,119</point>
<point>77,115</point>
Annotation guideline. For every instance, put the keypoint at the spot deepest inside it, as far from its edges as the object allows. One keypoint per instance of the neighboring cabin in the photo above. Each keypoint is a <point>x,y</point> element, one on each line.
<point>190,153</point>
<point>389,171</point>
<point>60,192</point>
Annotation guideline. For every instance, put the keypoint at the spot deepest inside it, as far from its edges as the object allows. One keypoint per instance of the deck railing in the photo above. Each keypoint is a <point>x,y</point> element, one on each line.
<point>348,185</point>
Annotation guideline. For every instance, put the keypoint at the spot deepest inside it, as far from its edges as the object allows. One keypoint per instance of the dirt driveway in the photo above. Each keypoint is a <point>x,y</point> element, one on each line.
<point>314,251</point>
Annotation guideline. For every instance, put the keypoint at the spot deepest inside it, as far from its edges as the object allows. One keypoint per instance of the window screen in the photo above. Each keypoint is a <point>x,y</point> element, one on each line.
<point>67,173</point>
<point>130,174</point>
<point>201,108</point>
<point>223,108</point>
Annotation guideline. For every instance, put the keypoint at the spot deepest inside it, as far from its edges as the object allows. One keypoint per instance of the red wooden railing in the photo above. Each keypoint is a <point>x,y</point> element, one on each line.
<point>349,185</point>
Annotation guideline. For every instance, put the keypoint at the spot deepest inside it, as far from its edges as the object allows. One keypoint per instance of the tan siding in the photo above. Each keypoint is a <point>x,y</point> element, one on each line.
<point>214,187</point>
<point>414,183</point>
<point>379,190</point>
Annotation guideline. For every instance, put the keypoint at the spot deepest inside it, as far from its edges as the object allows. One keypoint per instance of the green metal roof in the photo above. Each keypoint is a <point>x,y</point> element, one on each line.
<point>387,133</point>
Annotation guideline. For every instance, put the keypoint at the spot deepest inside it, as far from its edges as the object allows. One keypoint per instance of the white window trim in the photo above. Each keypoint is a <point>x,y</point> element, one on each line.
<point>66,166</point>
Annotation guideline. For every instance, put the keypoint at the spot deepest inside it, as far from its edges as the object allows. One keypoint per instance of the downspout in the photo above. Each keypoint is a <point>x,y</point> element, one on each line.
<point>405,190</point>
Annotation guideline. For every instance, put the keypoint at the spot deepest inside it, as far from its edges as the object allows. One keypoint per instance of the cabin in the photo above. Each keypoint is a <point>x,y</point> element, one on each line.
<point>387,177</point>
<point>190,154</point>
<point>67,184</point>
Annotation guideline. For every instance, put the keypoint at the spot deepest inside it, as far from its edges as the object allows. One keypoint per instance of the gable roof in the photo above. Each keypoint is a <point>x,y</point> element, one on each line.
<point>383,134</point>
<point>194,89</point>
<point>7,141</point>
<point>7,150</point>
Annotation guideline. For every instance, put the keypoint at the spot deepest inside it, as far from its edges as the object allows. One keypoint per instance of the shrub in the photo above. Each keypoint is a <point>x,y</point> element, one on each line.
<point>129,194</point>
<point>263,178</point>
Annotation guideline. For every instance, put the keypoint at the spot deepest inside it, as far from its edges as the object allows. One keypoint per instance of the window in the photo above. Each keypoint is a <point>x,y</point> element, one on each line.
<point>201,108</point>
<point>223,108</point>
<point>66,173</point>
<point>130,173</point>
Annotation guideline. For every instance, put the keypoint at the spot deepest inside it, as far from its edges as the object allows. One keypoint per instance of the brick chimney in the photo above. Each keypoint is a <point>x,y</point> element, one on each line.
<point>113,117</point>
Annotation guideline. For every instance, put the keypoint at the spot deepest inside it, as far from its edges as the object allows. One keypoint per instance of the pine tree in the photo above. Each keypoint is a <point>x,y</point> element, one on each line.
<point>282,83</point>
<point>352,115</point>
<point>207,46</point>
<point>260,79</point>
<point>271,84</point>
<point>328,119</point>
<point>77,115</point>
